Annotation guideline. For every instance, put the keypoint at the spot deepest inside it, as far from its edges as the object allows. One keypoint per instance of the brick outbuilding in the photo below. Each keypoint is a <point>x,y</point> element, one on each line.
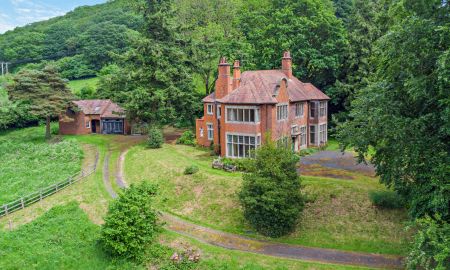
<point>93,116</point>
<point>244,108</point>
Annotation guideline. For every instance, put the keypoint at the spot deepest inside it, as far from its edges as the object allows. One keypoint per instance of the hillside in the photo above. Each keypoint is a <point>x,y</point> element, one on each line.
<point>80,42</point>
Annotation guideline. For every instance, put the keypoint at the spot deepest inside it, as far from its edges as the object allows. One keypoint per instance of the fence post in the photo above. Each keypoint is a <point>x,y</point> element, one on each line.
<point>40,194</point>
<point>21,202</point>
<point>6,209</point>
<point>56,186</point>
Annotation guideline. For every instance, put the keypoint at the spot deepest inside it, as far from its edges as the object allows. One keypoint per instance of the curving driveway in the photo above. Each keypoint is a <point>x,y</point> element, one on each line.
<point>239,242</point>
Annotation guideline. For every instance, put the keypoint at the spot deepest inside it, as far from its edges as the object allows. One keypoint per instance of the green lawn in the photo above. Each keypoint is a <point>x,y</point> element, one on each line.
<point>77,85</point>
<point>340,217</point>
<point>29,163</point>
<point>65,238</point>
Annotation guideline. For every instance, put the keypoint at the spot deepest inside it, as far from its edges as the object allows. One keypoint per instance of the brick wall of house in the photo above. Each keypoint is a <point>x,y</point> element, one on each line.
<point>77,126</point>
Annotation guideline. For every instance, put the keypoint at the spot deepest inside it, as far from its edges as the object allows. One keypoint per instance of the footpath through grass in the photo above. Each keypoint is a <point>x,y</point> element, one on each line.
<point>339,214</point>
<point>64,238</point>
<point>29,162</point>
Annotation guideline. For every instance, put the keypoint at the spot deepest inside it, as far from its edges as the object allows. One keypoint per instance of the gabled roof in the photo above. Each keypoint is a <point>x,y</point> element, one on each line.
<point>260,87</point>
<point>102,107</point>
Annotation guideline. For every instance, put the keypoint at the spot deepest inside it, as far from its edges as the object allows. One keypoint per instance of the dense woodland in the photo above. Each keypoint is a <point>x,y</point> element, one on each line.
<point>384,63</point>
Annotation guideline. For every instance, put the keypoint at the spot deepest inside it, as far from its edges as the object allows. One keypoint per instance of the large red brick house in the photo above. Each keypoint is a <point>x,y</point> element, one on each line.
<point>244,108</point>
<point>93,116</point>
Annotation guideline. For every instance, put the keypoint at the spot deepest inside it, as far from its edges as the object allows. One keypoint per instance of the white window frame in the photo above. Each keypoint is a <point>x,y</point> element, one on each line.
<point>209,109</point>
<point>299,109</point>
<point>210,127</point>
<point>315,135</point>
<point>218,111</point>
<point>303,135</point>
<point>282,115</point>
<point>255,108</point>
<point>87,124</point>
<point>295,130</point>
<point>315,105</point>
<point>323,133</point>
<point>227,142</point>
<point>322,108</point>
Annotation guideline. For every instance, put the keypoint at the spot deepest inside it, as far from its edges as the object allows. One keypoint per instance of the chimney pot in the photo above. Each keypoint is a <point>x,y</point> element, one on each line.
<point>286,64</point>
<point>236,74</point>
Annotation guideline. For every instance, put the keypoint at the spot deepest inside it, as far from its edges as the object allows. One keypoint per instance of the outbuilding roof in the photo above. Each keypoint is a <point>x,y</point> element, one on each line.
<point>102,107</point>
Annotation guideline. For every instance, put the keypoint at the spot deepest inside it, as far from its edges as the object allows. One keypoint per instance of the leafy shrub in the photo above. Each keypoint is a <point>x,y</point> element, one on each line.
<point>155,138</point>
<point>386,199</point>
<point>431,246</point>
<point>242,164</point>
<point>270,195</point>
<point>54,129</point>
<point>191,169</point>
<point>131,223</point>
<point>187,138</point>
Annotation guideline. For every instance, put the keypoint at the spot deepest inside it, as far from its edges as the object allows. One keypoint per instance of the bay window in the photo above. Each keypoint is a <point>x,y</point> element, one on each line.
<point>312,134</point>
<point>303,136</point>
<point>323,109</point>
<point>312,109</point>
<point>323,133</point>
<point>241,146</point>
<point>242,115</point>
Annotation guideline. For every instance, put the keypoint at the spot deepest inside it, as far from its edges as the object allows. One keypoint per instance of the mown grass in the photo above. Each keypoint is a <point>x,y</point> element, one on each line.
<point>65,238</point>
<point>29,162</point>
<point>340,215</point>
<point>76,85</point>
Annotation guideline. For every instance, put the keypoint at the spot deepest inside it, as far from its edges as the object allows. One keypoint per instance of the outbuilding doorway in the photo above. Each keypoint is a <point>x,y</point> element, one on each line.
<point>95,126</point>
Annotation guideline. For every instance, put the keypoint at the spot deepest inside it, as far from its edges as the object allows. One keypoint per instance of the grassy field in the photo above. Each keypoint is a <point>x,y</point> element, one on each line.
<point>29,162</point>
<point>77,85</point>
<point>65,238</point>
<point>341,215</point>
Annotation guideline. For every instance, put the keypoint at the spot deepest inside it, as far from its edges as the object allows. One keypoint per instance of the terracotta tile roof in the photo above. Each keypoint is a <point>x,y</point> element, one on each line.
<point>210,98</point>
<point>102,107</point>
<point>259,87</point>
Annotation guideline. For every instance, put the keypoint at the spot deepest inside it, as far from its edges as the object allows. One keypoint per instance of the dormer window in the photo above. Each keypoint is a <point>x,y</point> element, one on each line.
<point>209,109</point>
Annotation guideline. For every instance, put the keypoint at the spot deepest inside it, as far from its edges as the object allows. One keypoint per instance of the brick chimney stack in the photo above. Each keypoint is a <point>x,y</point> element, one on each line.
<point>223,83</point>
<point>236,74</point>
<point>286,64</point>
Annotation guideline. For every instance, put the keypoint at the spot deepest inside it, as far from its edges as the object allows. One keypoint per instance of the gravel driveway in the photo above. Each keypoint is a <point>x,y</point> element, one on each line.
<point>332,163</point>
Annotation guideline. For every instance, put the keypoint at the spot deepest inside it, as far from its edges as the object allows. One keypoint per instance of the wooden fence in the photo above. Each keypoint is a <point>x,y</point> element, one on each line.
<point>37,196</point>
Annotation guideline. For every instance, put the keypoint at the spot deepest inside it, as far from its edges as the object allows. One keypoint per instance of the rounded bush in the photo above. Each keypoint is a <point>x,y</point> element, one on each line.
<point>191,169</point>
<point>386,199</point>
<point>187,138</point>
<point>155,138</point>
<point>131,223</point>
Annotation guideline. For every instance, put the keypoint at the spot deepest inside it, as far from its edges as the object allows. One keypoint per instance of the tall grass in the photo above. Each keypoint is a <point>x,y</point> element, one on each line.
<point>29,163</point>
